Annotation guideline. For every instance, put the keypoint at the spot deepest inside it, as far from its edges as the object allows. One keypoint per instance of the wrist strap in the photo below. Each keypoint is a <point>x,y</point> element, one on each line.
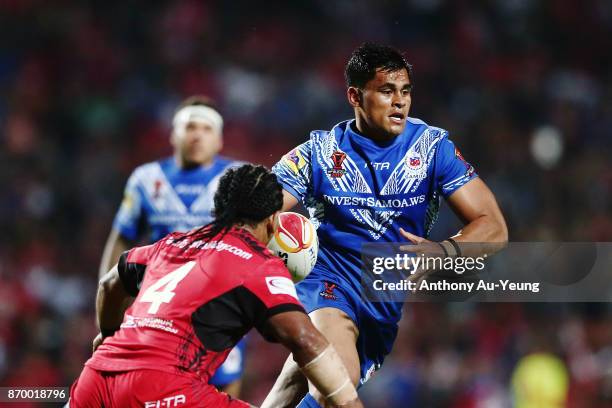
<point>444,249</point>
<point>455,245</point>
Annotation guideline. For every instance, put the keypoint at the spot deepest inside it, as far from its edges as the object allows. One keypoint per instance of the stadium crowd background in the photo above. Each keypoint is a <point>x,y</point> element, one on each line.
<point>88,89</point>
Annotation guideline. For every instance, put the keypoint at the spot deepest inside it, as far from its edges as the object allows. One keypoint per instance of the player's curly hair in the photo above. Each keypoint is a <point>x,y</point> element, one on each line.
<point>369,57</point>
<point>246,195</point>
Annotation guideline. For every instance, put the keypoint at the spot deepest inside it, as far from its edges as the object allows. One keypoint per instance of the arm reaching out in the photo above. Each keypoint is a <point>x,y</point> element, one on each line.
<point>316,358</point>
<point>111,300</point>
<point>289,201</point>
<point>116,244</point>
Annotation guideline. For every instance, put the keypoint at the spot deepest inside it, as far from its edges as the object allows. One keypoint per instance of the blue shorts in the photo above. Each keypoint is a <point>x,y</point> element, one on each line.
<point>232,368</point>
<point>376,337</point>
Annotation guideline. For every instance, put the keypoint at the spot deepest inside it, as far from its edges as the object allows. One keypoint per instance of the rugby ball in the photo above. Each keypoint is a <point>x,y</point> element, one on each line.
<point>295,242</point>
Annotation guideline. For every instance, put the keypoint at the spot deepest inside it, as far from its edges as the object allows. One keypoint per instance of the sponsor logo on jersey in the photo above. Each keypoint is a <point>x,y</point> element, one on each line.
<point>328,291</point>
<point>370,202</point>
<point>168,402</point>
<point>378,165</point>
<point>216,245</point>
<point>338,158</point>
<point>281,285</point>
<point>373,368</point>
<point>295,161</point>
<point>133,322</point>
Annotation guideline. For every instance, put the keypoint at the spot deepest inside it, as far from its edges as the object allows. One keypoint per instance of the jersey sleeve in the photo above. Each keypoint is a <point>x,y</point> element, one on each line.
<point>273,287</point>
<point>294,171</point>
<point>452,170</point>
<point>132,265</point>
<point>128,218</point>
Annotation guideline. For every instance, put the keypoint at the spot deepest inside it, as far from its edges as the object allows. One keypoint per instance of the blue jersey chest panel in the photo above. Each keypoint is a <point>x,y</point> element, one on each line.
<point>368,187</point>
<point>166,198</point>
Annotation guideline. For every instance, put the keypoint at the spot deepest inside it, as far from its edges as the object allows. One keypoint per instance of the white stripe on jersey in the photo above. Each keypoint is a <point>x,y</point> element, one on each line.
<point>450,183</point>
<point>399,182</point>
<point>352,181</point>
<point>158,190</point>
<point>205,201</point>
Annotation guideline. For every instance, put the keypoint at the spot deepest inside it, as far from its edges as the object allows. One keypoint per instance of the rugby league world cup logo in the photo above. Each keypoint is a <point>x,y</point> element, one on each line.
<point>338,158</point>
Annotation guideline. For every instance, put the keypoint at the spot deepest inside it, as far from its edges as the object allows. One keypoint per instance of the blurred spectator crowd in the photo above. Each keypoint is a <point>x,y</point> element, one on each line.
<point>88,89</point>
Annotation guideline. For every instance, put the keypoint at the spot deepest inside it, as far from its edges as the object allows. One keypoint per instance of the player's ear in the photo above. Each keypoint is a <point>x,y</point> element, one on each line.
<point>353,95</point>
<point>271,223</point>
<point>219,142</point>
<point>173,138</point>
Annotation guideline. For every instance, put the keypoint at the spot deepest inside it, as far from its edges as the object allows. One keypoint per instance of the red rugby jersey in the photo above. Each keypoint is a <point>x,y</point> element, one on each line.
<point>194,301</point>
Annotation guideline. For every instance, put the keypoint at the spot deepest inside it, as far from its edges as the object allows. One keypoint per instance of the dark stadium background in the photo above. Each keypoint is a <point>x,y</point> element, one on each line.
<point>88,88</point>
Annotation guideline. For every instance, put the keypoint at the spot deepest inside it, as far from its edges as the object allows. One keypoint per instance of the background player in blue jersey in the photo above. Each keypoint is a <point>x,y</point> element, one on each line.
<point>176,194</point>
<point>376,178</point>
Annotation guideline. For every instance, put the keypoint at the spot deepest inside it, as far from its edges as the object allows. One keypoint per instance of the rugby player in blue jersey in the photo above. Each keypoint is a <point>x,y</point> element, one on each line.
<point>376,178</point>
<point>176,194</point>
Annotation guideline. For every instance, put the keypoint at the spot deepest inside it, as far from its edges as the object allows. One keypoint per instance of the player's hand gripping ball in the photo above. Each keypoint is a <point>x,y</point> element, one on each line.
<point>295,242</point>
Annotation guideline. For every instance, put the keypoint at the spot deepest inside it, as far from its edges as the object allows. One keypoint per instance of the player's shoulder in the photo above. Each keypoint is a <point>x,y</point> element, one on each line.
<point>250,244</point>
<point>151,169</point>
<point>226,162</point>
<point>172,240</point>
<point>319,135</point>
<point>421,126</point>
<point>223,163</point>
<point>273,265</point>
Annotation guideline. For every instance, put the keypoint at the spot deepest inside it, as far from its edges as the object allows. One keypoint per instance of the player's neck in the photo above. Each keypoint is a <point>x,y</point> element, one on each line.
<point>259,231</point>
<point>361,128</point>
<point>184,164</point>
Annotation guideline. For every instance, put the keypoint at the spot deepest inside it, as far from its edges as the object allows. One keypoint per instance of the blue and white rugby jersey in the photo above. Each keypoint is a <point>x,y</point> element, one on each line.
<point>359,191</point>
<point>162,196</point>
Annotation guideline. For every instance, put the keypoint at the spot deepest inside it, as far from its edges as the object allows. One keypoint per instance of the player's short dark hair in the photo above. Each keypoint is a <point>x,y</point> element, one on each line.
<point>246,195</point>
<point>368,58</point>
<point>197,100</point>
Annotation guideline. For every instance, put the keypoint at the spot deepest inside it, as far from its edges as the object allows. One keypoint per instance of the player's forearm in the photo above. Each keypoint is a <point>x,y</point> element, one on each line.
<point>486,234</point>
<point>300,337</point>
<point>114,247</point>
<point>111,301</point>
<point>323,367</point>
<point>329,375</point>
<point>289,201</point>
<point>289,388</point>
<point>485,228</point>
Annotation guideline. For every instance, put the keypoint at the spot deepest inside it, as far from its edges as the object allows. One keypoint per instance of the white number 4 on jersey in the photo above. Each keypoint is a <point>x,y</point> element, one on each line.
<point>156,297</point>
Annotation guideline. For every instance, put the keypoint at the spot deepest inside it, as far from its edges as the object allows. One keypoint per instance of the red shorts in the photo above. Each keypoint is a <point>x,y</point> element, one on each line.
<point>145,388</point>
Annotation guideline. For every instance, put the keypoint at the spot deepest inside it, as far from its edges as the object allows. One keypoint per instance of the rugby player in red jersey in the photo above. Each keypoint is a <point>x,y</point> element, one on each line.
<point>196,294</point>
